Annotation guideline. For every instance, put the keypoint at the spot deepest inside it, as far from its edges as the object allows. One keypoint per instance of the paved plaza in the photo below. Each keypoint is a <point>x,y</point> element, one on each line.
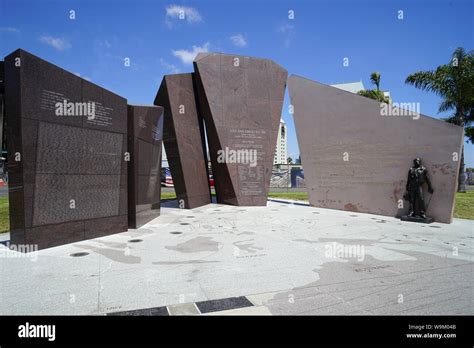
<point>285,258</point>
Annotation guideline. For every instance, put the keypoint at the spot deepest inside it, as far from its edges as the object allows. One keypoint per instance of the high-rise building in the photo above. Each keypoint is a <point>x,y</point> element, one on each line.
<point>281,154</point>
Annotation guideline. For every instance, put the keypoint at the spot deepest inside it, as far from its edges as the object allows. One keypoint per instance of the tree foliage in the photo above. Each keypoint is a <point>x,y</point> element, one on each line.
<point>454,83</point>
<point>376,93</point>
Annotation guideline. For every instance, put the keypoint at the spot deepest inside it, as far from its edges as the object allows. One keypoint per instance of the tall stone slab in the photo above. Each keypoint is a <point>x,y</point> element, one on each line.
<point>145,134</point>
<point>67,174</point>
<point>2,105</point>
<point>356,159</point>
<point>183,138</point>
<point>240,99</point>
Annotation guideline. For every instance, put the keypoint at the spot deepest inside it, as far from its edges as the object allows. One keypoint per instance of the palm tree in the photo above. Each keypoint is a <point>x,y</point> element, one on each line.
<point>375,79</point>
<point>454,83</point>
<point>375,94</point>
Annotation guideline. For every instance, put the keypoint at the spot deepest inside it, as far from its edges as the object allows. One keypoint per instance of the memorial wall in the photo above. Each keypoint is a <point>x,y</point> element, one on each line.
<point>183,137</point>
<point>240,99</point>
<point>356,153</point>
<point>145,135</point>
<point>66,143</point>
<point>83,165</point>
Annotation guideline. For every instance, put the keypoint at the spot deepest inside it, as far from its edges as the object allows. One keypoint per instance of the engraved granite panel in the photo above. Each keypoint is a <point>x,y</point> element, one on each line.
<point>67,139</point>
<point>145,134</point>
<point>240,99</point>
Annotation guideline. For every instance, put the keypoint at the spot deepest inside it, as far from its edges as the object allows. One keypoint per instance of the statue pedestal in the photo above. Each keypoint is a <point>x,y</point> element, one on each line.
<point>419,219</point>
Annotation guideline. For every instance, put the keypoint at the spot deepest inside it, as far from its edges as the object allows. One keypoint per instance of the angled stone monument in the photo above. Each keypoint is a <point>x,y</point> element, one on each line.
<point>2,103</point>
<point>183,137</point>
<point>240,99</point>
<point>356,151</point>
<point>145,133</point>
<point>66,141</point>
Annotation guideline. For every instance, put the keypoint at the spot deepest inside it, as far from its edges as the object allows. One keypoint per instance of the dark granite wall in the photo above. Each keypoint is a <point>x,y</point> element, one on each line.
<point>2,104</point>
<point>145,134</point>
<point>183,140</point>
<point>240,99</point>
<point>70,183</point>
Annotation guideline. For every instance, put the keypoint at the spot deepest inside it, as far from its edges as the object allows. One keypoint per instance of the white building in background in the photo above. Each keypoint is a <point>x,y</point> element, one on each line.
<point>164,158</point>
<point>355,87</point>
<point>352,87</point>
<point>386,94</point>
<point>281,153</point>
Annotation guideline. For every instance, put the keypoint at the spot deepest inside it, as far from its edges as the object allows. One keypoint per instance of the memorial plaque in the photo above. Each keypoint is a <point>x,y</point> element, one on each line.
<point>240,99</point>
<point>145,134</point>
<point>356,154</point>
<point>66,143</point>
<point>183,137</point>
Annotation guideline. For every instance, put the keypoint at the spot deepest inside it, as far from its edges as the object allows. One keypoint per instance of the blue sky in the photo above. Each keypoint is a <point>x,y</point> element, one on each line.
<point>313,44</point>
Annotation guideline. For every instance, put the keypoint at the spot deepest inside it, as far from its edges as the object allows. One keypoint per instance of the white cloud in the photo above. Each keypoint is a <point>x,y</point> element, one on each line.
<point>187,56</point>
<point>188,14</point>
<point>57,43</point>
<point>9,30</point>
<point>286,28</point>
<point>104,43</point>
<point>239,40</point>
<point>171,68</point>
<point>288,32</point>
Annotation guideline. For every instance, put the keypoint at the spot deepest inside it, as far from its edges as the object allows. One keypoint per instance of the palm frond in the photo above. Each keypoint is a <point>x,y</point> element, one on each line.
<point>446,105</point>
<point>375,79</point>
<point>469,133</point>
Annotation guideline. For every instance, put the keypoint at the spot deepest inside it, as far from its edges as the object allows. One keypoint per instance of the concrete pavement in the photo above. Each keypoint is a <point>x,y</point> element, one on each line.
<point>280,259</point>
